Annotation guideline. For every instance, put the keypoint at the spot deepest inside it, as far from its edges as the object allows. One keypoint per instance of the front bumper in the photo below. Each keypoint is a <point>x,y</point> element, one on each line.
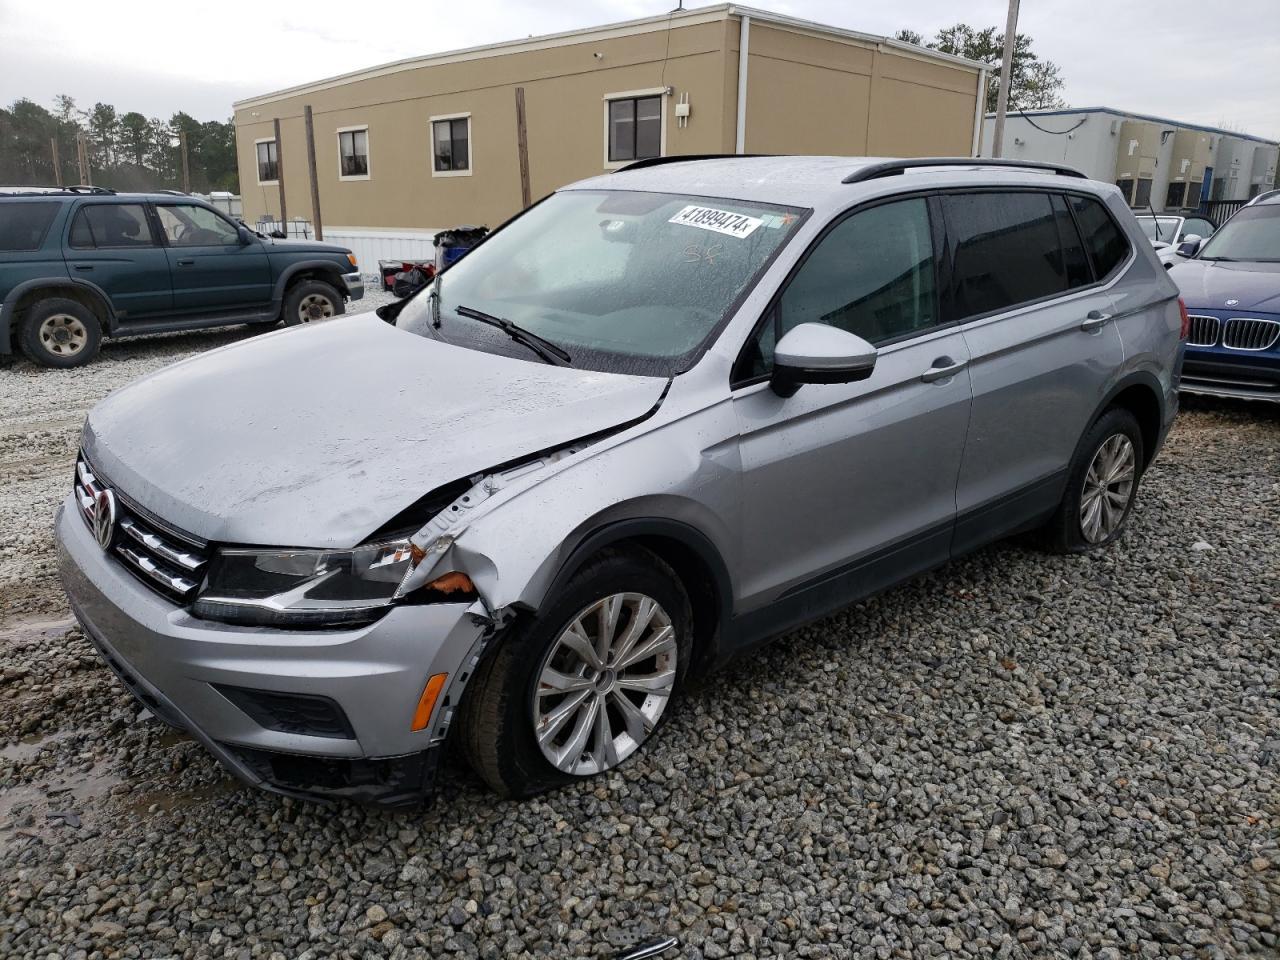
<point>176,664</point>
<point>355,285</point>
<point>1243,379</point>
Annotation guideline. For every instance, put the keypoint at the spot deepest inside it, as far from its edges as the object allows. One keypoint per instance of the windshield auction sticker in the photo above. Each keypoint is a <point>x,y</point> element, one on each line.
<point>720,221</point>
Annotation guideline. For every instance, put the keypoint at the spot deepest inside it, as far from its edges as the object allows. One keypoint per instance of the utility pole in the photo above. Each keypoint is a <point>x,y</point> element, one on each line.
<point>522,149</point>
<point>1006,71</point>
<point>284,216</point>
<point>57,163</point>
<point>311,167</point>
<point>82,160</point>
<point>186,167</point>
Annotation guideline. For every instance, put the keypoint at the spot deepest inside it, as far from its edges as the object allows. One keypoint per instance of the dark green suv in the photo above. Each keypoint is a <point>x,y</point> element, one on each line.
<point>81,263</point>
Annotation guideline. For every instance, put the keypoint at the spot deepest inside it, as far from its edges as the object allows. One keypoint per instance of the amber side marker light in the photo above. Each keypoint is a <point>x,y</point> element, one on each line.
<point>427,702</point>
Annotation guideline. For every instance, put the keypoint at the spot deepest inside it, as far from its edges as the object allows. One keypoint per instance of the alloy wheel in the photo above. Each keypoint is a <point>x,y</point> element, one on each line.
<point>63,335</point>
<point>1108,485</point>
<point>605,683</point>
<point>314,307</point>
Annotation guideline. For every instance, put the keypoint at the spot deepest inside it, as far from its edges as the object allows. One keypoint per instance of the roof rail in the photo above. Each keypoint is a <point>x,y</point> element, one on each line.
<point>39,191</point>
<point>891,168</point>
<point>658,161</point>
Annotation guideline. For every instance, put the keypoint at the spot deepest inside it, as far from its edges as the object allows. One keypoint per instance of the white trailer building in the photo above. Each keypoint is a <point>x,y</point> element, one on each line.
<point>1163,163</point>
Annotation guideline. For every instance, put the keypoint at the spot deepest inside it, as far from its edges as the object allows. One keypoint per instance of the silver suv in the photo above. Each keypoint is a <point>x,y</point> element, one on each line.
<point>659,417</point>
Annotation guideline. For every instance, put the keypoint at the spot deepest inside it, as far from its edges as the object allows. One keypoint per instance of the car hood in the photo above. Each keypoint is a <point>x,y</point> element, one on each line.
<point>316,436</point>
<point>293,245</point>
<point>1208,285</point>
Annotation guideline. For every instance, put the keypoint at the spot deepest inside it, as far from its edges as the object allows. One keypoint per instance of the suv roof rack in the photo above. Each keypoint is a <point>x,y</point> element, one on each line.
<point>38,191</point>
<point>657,161</point>
<point>891,168</point>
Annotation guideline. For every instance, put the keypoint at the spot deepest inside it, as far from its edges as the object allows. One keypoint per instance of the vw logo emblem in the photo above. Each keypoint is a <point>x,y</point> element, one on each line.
<point>104,517</point>
<point>1232,303</point>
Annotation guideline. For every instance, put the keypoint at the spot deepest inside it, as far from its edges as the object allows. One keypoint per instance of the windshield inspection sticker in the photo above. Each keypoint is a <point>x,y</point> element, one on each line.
<point>720,221</point>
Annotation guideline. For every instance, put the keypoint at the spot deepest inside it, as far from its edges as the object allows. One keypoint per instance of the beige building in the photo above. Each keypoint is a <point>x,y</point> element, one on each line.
<point>409,147</point>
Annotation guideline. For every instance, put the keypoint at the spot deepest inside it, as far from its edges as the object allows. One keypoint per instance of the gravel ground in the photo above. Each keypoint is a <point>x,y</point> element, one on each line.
<point>1016,756</point>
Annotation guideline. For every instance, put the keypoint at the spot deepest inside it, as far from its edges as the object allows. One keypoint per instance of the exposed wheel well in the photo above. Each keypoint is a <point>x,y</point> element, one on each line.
<point>89,300</point>
<point>332,277</point>
<point>1143,403</point>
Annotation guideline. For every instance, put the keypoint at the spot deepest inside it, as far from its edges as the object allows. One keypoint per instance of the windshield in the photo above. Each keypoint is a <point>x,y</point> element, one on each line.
<point>622,281</point>
<point>1252,234</point>
<point>1164,229</point>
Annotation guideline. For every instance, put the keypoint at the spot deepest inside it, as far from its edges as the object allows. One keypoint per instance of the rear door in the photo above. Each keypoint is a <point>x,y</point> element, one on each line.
<point>111,244</point>
<point>1043,347</point>
<point>848,488</point>
<point>212,270</point>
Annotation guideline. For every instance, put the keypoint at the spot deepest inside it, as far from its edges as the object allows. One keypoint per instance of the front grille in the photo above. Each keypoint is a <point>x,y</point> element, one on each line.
<point>169,562</point>
<point>1204,331</point>
<point>1245,334</point>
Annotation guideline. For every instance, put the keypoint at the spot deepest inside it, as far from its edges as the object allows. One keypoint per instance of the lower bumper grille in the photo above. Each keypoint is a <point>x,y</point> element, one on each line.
<point>168,562</point>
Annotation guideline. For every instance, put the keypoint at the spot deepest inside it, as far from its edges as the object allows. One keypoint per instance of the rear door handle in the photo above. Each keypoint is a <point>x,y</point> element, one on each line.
<point>942,369</point>
<point>83,266</point>
<point>1094,320</point>
<point>185,263</point>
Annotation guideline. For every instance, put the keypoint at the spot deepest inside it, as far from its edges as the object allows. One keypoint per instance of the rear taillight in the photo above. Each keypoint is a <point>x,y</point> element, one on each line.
<point>1186,320</point>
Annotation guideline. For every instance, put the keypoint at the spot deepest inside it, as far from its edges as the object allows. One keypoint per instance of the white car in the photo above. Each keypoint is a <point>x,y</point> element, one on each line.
<point>1167,231</point>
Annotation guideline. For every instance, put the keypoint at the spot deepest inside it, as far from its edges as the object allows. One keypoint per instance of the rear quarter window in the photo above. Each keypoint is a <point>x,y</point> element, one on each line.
<point>1105,242</point>
<point>24,225</point>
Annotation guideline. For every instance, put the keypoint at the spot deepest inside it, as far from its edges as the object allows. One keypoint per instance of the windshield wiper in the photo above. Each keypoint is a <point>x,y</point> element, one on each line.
<point>1219,259</point>
<point>548,351</point>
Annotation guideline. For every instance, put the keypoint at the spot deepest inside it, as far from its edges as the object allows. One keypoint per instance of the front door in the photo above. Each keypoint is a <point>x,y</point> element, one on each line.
<point>1038,322</point>
<point>848,488</point>
<point>212,270</point>
<point>111,245</point>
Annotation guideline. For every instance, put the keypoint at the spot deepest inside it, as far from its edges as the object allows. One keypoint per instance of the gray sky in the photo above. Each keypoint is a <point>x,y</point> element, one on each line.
<point>158,57</point>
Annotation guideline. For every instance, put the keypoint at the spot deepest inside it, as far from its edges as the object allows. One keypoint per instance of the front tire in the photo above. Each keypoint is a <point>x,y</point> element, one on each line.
<point>311,301</point>
<point>1102,484</point>
<point>587,684</point>
<point>59,332</point>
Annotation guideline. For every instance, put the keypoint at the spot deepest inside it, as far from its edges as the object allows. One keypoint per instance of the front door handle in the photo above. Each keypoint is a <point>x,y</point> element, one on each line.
<point>83,266</point>
<point>1094,320</point>
<point>943,368</point>
<point>185,263</point>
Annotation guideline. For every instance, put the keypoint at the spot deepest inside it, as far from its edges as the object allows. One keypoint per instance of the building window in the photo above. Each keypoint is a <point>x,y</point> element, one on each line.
<point>1176,196</point>
<point>1126,187</point>
<point>1143,196</point>
<point>634,126</point>
<point>268,161</point>
<point>353,153</point>
<point>451,145</point>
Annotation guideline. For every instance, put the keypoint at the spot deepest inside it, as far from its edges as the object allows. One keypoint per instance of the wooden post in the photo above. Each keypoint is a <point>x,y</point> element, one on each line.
<point>82,160</point>
<point>522,143</point>
<point>284,216</point>
<point>186,166</point>
<point>311,169</point>
<point>57,163</point>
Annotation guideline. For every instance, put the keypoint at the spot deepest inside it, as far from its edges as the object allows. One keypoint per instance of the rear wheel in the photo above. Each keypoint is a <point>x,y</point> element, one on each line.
<point>1102,484</point>
<point>311,301</point>
<point>59,332</point>
<point>587,684</point>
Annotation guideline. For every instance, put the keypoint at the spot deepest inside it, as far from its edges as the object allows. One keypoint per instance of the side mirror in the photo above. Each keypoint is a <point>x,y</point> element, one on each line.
<point>1190,246</point>
<point>246,235</point>
<point>818,353</point>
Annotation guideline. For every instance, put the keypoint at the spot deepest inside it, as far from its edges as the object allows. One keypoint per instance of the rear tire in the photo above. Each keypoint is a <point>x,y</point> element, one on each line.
<point>311,301</point>
<point>59,332</point>
<point>1102,485</point>
<point>516,691</point>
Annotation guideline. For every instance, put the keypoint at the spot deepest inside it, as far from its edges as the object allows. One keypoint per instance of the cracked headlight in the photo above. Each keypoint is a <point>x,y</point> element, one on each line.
<point>304,588</point>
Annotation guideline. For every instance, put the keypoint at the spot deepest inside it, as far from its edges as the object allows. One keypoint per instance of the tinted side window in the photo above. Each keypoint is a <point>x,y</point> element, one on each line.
<point>111,225</point>
<point>1073,254</point>
<point>1102,238</point>
<point>1007,250</point>
<point>23,225</point>
<point>872,275</point>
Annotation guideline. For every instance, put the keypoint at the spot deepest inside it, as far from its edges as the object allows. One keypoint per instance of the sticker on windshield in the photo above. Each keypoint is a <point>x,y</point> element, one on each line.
<point>720,221</point>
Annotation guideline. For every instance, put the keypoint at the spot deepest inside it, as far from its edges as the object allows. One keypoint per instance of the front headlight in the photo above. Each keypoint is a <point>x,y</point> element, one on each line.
<point>311,588</point>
